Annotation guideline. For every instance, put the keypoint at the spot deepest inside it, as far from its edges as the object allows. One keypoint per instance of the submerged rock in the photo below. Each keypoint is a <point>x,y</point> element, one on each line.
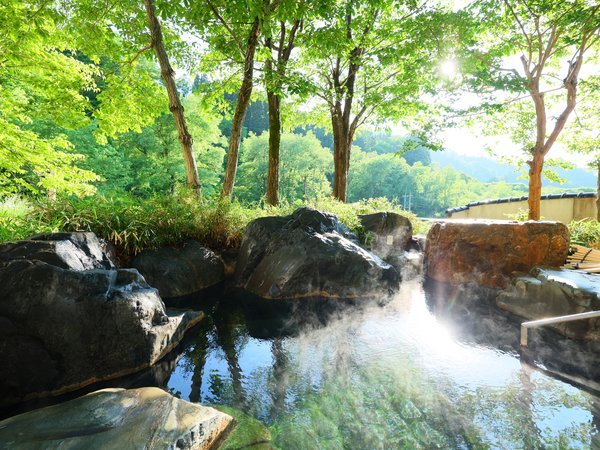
<point>248,432</point>
<point>62,328</point>
<point>556,292</point>
<point>309,254</point>
<point>148,418</point>
<point>490,252</point>
<point>176,272</point>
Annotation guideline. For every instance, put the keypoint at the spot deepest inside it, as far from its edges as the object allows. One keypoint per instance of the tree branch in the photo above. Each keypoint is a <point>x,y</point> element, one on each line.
<point>139,52</point>
<point>220,18</point>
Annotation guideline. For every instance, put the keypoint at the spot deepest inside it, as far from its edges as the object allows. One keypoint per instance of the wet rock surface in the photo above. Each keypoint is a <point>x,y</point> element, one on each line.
<point>176,272</point>
<point>309,254</point>
<point>555,292</point>
<point>62,327</point>
<point>490,252</point>
<point>389,236</point>
<point>390,232</point>
<point>76,251</point>
<point>147,418</point>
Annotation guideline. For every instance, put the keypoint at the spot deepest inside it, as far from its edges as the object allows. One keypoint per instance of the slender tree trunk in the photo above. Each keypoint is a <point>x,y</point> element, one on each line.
<point>344,168</point>
<point>175,106</point>
<point>336,153</point>
<point>274,102</point>
<point>241,108</point>
<point>343,127</point>
<point>535,185</point>
<point>598,191</point>
<point>342,142</point>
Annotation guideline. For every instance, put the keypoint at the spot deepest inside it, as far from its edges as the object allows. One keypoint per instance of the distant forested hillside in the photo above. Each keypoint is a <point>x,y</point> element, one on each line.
<point>486,169</point>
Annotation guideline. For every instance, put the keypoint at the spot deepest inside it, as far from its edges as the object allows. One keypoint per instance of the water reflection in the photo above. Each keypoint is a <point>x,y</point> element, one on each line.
<point>420,372</point>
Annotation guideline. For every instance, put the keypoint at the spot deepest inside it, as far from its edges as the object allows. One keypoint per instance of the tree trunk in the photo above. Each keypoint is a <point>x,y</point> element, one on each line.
<point>274,102</point>
<point>342,142</point>
<point>241,108</point>
<point>343,169</point>
<point>336,153</point>
<point>598,191</point>
<point>535,185</point>
<point>175,106</point>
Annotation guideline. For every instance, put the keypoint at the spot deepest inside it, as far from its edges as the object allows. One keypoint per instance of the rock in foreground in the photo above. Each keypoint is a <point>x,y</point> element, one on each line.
<point>309,254</point>
<point>180,271</point>
<point>62,328</point>
<point>146,418</point>
<point>490,252</point>
<point>550,293</point>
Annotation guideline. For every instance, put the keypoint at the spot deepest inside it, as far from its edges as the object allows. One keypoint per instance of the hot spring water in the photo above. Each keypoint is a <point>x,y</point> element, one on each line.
<point>397,376</point>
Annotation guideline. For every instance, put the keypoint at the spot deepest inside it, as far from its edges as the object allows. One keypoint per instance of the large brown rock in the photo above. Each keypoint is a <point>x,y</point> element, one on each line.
<point>145,418</point>
<point>490,252</point>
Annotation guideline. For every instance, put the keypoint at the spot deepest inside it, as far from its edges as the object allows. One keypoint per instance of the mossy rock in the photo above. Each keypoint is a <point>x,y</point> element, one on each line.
<point>248,433</point>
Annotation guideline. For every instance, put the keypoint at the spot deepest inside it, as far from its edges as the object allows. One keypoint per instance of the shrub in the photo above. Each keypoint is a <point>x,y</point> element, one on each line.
<point>134,224</point>
<point>585,232</point>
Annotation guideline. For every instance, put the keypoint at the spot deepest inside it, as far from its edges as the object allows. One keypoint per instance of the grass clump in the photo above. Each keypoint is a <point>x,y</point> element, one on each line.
<point>134,224</point>
<point>585,232</point>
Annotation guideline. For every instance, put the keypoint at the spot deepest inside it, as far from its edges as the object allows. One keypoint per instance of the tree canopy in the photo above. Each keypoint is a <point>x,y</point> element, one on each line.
<point>86,89</point>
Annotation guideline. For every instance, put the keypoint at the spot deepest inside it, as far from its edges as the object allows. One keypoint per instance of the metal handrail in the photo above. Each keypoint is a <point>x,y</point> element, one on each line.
<point>560,319</point>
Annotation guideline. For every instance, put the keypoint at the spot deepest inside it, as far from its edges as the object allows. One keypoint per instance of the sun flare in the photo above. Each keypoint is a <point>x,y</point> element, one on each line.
<point>448,68</point>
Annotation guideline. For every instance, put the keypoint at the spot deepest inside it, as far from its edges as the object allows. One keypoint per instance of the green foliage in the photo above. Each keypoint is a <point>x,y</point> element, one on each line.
<point>522,49</point>
<point>390,46</point>
<point>585,232</point>
<point>303,168</point>
<point>408,147</point>
<point>150,161</point>
<point>133,224</point>
<point>40,77</point>
<point>122,110</point>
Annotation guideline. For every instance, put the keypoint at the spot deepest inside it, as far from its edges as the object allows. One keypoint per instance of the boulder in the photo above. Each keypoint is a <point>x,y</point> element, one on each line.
<point>490,252</point>
<point>180,271</point>
<point>309,254</point>
<point>389,236</point>
<point>390,232</point>
<point>555,292</point>
<point>76,251</point>
<point>63,328</point>
<point>118,419</point>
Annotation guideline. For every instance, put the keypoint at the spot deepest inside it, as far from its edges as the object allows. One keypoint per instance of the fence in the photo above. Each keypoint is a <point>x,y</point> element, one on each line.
<point>561,207</point>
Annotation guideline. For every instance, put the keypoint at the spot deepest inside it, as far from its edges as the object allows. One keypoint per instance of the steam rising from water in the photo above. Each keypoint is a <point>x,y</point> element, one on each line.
<point>389,377</point>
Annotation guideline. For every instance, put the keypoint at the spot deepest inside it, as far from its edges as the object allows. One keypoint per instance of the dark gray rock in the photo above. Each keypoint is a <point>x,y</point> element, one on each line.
<point>180,271</point>
<point>390,232</point>
<point>63,328</point>
<point>309,254</point>
<point>555,292</point>
<point>389,236</point>
<point>76,251</point>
